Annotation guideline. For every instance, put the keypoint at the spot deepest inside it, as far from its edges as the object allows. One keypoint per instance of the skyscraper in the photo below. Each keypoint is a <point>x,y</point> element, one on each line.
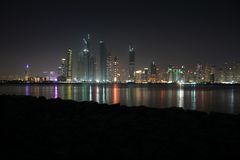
<point>131,63</point>
<point>86,62</point>
<point>92,68</point>
<point>27,73</point>
<point>153,72</point>
<point>84,65</point>
<point>207,73</point>
<point>92,61</point>
<point>62,70</point>
<point>138,76</point>
<point>199,73</point>
<point>170,73</point>
<point>69,65</point>
<point>109,67</point>
<point>103,61</point>
<point>116,74</point>
<point>145,75</point>
<point>175,74</point>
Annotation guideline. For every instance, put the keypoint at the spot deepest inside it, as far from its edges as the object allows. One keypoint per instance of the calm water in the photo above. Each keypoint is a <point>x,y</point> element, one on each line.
<point>222,98</point>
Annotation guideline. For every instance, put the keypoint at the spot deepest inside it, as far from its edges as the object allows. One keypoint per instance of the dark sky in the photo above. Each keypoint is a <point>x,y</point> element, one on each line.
<point>38,32</point>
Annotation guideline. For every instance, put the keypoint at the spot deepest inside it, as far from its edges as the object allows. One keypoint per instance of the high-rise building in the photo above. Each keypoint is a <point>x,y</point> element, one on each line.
<point>109,68</point>
<point>219,78</point>
<point>69,65</point>
<point>182,74</point>
<point>92,62</point>
<point>199,76</point>
<point>138,76</point>
<point>92,68</point>
<point>123,75</point>
<point>131,63</point>
<point>228,72</point>
<point>86,62</point>
<point>84,65</point>
<point>207,73</point>
<point>116,74</point>
<point>145,75</point>
<point>189,76</point>
<point>170,73</point>
<point>62,71</point>
<point>153,72</point>
<point>103,61</point>
<point>212,74</point>
<point>27,73</point>
<point>176,74</point>
<point>236,72</point>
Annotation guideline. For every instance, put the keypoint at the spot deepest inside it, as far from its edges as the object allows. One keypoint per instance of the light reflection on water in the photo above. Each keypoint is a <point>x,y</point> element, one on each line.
<point>180,97</point>
<point>193,98</point>
<point>27,90</point>
<point>203,98</point>
<point>55,91</point>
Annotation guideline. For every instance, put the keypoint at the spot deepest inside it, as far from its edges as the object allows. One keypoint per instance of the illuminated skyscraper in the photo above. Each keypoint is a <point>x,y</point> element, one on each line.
<point>145,75</point>
<point>199,73</point>
<point>103,61</point>
<point>63,66</point>
<point>62,70</point>
<point>92,61</point>
<point>109,67</point>
<point>176,74</point>
<point>236,72</point>
<point>92,68</point>
<point>228,72</point>
<point>207,73</point>
<point>131,63</point>
<point>213,74</point>
<point>69,65</point>
<point>153,72</point>
<point>27,73</point>
<point>116,74</point>
<point>86,71</point>
<point>138,76</point>
<point>123,75</point>
<point>86,62</point>
<point>170,73</point>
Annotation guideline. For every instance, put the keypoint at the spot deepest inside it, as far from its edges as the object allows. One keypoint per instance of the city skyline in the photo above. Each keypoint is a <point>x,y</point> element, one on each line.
<point>181,33</point>
<point>109,71</point>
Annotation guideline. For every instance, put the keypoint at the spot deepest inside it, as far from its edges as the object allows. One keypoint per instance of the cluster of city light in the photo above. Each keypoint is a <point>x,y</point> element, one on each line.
<point>109,71</point>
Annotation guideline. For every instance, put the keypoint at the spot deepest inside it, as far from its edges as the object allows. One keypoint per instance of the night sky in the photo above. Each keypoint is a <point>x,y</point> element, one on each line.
<point>180,32</point>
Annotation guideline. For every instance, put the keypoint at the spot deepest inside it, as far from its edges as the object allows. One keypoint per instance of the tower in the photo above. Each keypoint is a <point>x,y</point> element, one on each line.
<point>109,67</point>
<point>86,62</point>
<point>103,61</point>
<point>69,65</point>
<point>62,70</point>
<point>116,74</point>
<point>199,73</point>
<point>92,68</point>
<point>145,75</point>
<point>170,73</point>
<point>153,72</point>
<point>27,74</point>
<point>131,52</point>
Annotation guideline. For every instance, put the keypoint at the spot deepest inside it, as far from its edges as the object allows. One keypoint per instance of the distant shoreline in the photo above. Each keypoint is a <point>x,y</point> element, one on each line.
<point>137,84</point>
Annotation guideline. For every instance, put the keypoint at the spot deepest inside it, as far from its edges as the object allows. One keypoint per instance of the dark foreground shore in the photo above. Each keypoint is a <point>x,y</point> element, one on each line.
<point>36,128</point>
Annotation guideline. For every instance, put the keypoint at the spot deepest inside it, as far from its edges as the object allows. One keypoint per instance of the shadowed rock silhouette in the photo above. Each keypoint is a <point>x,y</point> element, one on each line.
<point>36,128</point>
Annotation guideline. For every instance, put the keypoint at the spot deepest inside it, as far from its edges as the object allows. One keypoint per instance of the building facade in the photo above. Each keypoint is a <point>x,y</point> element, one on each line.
<point>131,52</point>
<point>103,61</point>
<point>69,65</point>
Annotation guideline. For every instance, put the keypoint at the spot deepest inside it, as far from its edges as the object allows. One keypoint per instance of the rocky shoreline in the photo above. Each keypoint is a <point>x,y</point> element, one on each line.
<point>35,128</point>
